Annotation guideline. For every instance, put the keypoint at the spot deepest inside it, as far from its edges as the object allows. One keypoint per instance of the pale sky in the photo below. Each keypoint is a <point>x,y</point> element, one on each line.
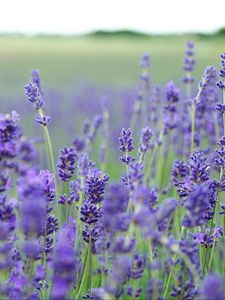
<point>75,17</point>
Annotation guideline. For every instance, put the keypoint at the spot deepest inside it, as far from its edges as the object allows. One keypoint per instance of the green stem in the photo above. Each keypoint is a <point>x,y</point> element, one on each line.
<point>52,160</point>
<point>192,127</point>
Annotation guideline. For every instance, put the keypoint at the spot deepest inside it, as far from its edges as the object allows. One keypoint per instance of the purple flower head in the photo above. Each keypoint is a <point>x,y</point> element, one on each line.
<point>138,266</point>
<point>66,166</point>
<point>7,213</point>
<point>43,120</point>
<point>84,164</point>
<point>213,287</point>
<point>164,213</point>
<point>126,145</point>
<point>10,133</point>
<point>154,289</point>
<point>123,245</point>
<point>206,239</point>
<point>135,175</point>
<point>171,118</point>
<point>189,63</point>
<point>40,273</point>
<point>199,167</point>
<point>145,61</point>
<point>220,107</point>
<point>49,185</point>
<point>95,185</point>
<point>172,93</point>
<point>32,249</point>
<point>146,135</point>
<point>134,294</point>
<point>35,77</point>
<point>114,208</point>
<point>180,170</point>
<point>33,94</point>
<point>121,269</point>
<point>79,144</point>
<point>91,234</point>
<point>143,195</point>
<point>90,214</point>
<point>5,182</point>
<point>198,206</point>
<point>208,78</point>
<point>26,151</point>
<point>64,266</point>
<point>221,83</point>
<point>32,204</point>
<point>220,154</point>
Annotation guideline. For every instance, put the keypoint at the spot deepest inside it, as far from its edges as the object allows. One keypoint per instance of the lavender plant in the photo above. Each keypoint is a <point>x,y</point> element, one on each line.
<point>69,231</point>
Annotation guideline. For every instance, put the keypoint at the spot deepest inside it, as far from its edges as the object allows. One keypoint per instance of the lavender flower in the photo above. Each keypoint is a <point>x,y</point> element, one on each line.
<point>221,84</point>
<point>126,145</point>
<point>189,63</point>
<point>43,120</point>
<point>64,265</point>
<point>66,166</point>
<point>33,95</point>
<point>213,288</point>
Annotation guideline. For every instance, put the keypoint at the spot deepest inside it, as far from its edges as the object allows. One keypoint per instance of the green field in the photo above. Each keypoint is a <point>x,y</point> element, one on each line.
<point>110,61</point>
<point>67,64</point>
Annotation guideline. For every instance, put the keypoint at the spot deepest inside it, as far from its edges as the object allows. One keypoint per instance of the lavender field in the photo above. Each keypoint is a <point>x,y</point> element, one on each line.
<point>112,168</point>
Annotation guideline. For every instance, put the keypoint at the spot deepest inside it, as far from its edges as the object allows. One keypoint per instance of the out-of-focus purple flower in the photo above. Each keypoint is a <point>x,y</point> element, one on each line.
<point>79,144</point>
<point>135,175</point>
<point>84,165</point>
<point>137,266</point>
<point>32,249</point>
<point>26,151</point>
<point>35,77</point>
<point>171,117</point>
<point>66,166</point>
<point>114,208</point>
<point>143,195</point>
<point>145,61</point>
<point>154,289</point>
<point>213,288</point>
<point>64,266</point>
<point>198,206</point>
<point>146,135</point>
<point>32,204</point>
<point>123,245</point>
<point>189,63</point>
<point>10,133</point>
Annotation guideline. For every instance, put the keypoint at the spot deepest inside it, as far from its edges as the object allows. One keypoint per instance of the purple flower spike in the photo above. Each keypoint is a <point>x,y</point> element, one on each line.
<point>126,145</point>
<point>66,166</point>
<point>189,62</point>
<point>213,288</point>
<point>33,95</point>
<point>44,120</point>
<point>221,83</point>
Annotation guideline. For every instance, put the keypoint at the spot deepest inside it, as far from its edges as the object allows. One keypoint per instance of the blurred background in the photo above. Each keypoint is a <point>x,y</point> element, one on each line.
<point>89,51</point>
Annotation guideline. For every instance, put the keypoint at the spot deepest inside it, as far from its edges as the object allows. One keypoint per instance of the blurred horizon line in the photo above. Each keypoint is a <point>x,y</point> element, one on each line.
<point>115,33</point>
